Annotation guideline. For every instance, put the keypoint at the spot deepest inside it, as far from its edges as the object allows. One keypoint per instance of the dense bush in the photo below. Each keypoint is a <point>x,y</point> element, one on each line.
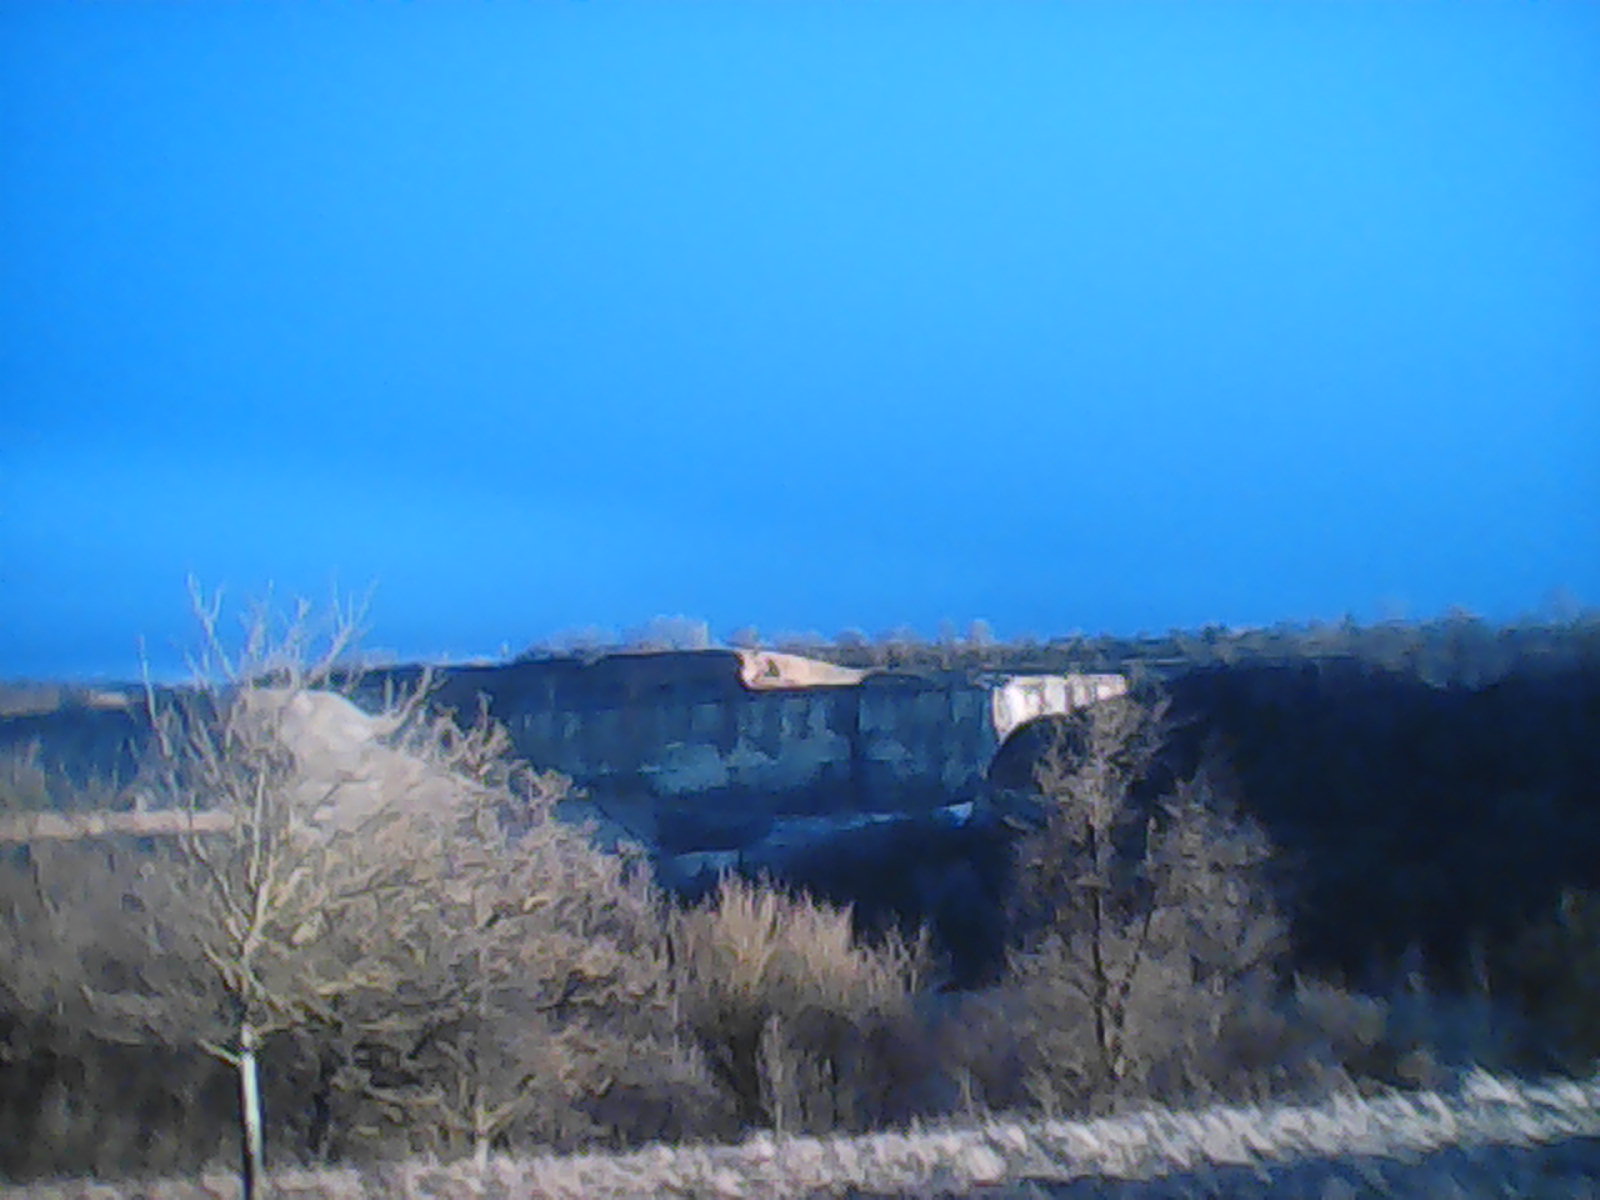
<point>1552,969</point>
<point>391,928</point>
<point>1145,931</point>
<point>807,1028</point>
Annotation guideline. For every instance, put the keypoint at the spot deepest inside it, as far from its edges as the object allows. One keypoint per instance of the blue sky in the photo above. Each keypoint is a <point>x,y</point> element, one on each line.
<point>1101,317</point>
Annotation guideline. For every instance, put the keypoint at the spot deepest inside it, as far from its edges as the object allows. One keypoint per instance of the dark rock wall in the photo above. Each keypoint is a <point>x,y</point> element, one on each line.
<point>677,743</point>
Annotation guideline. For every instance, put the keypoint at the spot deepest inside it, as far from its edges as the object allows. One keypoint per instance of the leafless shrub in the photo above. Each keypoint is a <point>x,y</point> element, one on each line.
<point>806,1028</point>
<point>1553,970</point>
<point>24,786</point>
<point>530,1002</point>
<point>1145,928</point>
<point>69,1102</point>
<point>389,914</point>
<point>664,632</point>
<point>1304,1041</point>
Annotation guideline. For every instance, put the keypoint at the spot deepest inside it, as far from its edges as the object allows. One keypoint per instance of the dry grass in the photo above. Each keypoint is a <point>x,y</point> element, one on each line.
<point>29,787</point>
<point>1483,1112</point>
<point>758,949</point>
<point>806,1028</point>
<point>24,784</point>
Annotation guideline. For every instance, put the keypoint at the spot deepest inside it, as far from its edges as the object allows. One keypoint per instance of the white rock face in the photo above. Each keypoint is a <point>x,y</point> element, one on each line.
<point>763,669</point>
<point>1018,699</point>
<point>346,768</point>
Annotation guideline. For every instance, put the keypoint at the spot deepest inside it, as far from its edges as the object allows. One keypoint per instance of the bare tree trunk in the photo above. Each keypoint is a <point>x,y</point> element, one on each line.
<point>250,1160</point>
<point>481,1138</point>
<point>1101,988</point>
<point>1098,964</point>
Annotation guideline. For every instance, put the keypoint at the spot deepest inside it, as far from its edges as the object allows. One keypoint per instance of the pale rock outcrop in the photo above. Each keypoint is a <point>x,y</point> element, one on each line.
<point>347,768</point>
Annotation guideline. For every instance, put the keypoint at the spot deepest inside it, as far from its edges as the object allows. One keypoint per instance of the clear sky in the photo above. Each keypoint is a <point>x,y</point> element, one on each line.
<point>1070,316</point>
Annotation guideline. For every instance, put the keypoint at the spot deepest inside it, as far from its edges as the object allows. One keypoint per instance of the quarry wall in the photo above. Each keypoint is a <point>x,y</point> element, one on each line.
<point>691,750</point>
<point>702,749</point>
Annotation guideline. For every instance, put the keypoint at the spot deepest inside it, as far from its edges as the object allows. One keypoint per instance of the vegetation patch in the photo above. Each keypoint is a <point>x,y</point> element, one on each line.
<point>358,952</point>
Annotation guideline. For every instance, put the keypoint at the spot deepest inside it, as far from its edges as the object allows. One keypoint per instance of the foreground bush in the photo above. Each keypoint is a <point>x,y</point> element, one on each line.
<point>806,1028</point>
<point>383,929</point>
<point>1552,968</point>
<point>1147,931</point>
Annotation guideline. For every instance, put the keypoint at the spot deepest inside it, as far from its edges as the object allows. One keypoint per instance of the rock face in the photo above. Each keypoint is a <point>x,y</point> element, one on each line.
<point>869,788</point>
<point>705,751</point>
<point>347,766</point>
<point>865,788</point>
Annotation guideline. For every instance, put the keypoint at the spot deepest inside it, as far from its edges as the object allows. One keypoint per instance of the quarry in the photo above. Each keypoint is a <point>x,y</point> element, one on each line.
<point>902,790</point>
<point>864,787</point>
<point>713,750</point>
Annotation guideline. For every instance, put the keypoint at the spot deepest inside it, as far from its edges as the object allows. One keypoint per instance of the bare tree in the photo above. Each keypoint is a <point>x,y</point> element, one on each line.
<point>746,637</point>
<point>663,632</point>
<point>324,846</point>
<point>220,936</point>
<point>391,893</point>
<point>535,1003</point>
<point>1140,916</point>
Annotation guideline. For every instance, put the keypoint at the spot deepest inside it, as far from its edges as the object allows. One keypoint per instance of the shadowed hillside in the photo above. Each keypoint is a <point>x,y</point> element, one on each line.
<point>1408,814</point>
